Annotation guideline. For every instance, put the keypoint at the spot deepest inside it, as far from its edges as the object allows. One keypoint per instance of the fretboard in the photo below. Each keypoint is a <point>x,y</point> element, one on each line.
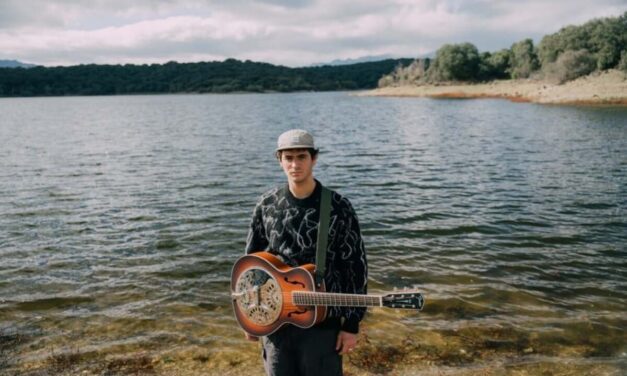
<point>337,300</point>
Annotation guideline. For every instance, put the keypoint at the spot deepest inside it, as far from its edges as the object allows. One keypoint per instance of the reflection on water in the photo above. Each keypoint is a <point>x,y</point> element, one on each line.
<point>122,216</point>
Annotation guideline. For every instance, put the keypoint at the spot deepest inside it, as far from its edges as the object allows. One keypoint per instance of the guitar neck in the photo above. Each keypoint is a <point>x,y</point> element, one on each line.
<point>309,298</point>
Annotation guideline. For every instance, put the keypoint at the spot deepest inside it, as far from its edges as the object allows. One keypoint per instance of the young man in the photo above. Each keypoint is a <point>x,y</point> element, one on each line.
<point>285,222</point>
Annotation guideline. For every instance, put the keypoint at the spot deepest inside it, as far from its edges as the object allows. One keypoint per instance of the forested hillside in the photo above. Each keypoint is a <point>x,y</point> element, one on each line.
<point>207,77</point>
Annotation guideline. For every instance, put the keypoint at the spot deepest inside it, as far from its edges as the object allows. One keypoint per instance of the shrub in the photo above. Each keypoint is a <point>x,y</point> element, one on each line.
<point>385,81</point>
<point>411,74</point>
<point>622,64</point>
<point>570,65</point>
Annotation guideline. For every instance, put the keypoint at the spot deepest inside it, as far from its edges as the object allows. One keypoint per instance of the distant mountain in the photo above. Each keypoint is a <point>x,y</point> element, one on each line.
<point>363,59</point>
<point>367,59</point>
<point>15,64</point>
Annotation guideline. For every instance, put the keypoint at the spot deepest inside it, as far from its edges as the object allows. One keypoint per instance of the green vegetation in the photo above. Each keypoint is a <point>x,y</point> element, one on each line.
<point>572,52</point>
<point>523,59</point>
<point>622,64</point>
<point>207,77</point>
<point>570,65</point>
<point>455,62</point>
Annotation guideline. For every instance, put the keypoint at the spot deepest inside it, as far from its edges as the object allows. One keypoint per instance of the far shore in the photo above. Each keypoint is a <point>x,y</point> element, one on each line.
<point>600,88</point>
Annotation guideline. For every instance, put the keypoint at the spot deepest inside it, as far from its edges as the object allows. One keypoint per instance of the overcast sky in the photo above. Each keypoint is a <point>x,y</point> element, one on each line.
<point>287,32</point>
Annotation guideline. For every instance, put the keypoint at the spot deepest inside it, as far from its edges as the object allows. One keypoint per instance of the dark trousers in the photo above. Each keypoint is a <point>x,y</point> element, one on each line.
<point>292,351</point>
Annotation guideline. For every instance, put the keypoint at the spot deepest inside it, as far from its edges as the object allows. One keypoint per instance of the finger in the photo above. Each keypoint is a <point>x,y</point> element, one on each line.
<point>251,337</point>
<point>338,343</point>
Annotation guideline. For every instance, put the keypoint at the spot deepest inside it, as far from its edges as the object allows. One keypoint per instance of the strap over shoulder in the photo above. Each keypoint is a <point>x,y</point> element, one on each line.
<point>323,235</point>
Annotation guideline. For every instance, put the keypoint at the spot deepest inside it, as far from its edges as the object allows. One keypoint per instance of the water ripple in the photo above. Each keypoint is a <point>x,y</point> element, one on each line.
<point>122,228</point>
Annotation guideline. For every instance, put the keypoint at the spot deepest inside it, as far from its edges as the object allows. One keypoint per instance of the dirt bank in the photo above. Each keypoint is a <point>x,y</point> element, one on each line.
<point>607,87</point>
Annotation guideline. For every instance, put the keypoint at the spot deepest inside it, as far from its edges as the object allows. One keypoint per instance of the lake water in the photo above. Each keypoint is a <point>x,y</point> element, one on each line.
<point>120,218</point>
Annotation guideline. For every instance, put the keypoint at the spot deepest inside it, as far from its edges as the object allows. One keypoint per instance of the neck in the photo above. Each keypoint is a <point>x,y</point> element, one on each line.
<point>337,300</point>
<point>303,189</point>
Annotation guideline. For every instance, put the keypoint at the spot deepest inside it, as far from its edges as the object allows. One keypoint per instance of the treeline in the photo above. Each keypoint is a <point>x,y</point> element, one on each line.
<point>572,52</point>
<point>207,77</point>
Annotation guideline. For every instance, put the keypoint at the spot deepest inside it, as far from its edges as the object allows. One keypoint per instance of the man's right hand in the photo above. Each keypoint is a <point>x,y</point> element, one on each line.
<point>251,338</point>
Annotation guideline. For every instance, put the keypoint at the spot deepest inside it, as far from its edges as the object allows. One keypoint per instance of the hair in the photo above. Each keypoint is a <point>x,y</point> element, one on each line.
<point>313,152</point>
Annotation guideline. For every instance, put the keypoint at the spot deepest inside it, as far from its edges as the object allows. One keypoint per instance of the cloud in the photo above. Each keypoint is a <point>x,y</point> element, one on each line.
<point>297,32</point>
<point>289,3</point>
<point>183,34</point>
<point>542,17</point>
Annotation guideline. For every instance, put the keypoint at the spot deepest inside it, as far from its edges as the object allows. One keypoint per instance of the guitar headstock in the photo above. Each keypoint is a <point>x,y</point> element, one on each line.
<point>405,299</point>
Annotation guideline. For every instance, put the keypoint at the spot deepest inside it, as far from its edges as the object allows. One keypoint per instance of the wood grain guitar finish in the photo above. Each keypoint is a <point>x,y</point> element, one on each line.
<point>267,294</point>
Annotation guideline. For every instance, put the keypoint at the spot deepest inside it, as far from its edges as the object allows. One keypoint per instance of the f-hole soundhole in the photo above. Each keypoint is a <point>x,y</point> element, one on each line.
<point>295,282</point>
<point>297,312</point>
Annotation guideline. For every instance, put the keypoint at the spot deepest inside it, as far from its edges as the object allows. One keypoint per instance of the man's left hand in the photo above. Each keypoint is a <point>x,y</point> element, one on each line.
<point>346,342</point>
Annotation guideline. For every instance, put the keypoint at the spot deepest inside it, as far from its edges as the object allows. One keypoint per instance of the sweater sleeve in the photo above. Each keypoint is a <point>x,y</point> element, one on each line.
<point>354,268</point>
<point>256,240</point>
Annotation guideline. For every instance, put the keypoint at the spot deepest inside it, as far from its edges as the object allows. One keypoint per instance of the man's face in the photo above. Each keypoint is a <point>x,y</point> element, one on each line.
<point>297,165</point>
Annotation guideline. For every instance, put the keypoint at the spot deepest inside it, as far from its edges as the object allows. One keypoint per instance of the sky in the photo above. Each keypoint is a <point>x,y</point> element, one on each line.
<point>284,32</point>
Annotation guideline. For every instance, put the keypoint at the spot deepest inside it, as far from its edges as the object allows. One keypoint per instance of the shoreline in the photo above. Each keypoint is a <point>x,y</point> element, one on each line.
<point>599,88</point>
<point>391,343</point>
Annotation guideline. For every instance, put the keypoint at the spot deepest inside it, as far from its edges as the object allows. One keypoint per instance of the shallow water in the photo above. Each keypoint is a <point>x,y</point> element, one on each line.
<point>121,217</point>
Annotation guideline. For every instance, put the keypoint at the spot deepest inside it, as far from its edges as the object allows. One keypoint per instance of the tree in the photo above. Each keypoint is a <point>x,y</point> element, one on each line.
<point>523,59</point>
<point>603,38</point>
<point>455,62</point>
<point>230,75</point>
<point>494,66</point>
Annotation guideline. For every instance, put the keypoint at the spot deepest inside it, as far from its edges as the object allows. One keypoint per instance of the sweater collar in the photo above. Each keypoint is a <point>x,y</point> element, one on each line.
<point>309,201</point>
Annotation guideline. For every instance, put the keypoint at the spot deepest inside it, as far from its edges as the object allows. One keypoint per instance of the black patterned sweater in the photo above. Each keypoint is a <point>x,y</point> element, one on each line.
<point>288,227</point>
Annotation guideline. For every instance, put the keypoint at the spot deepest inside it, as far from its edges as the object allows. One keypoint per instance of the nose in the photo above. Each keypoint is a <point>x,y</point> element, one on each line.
<point>293,163</point>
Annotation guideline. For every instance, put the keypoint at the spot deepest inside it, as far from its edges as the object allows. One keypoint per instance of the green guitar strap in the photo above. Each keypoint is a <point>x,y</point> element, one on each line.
<point>323,235</point>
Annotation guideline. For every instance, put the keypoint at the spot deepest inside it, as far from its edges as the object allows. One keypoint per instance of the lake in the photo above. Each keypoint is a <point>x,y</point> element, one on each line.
<point>121,216</point>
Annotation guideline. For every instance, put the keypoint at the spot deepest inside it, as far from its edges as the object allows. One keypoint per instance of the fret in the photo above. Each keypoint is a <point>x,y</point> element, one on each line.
<point>333,299</point>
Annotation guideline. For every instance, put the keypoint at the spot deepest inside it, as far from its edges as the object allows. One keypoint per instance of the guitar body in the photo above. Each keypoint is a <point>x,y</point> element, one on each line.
<point>262,288</point>
<point>268,294</point>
